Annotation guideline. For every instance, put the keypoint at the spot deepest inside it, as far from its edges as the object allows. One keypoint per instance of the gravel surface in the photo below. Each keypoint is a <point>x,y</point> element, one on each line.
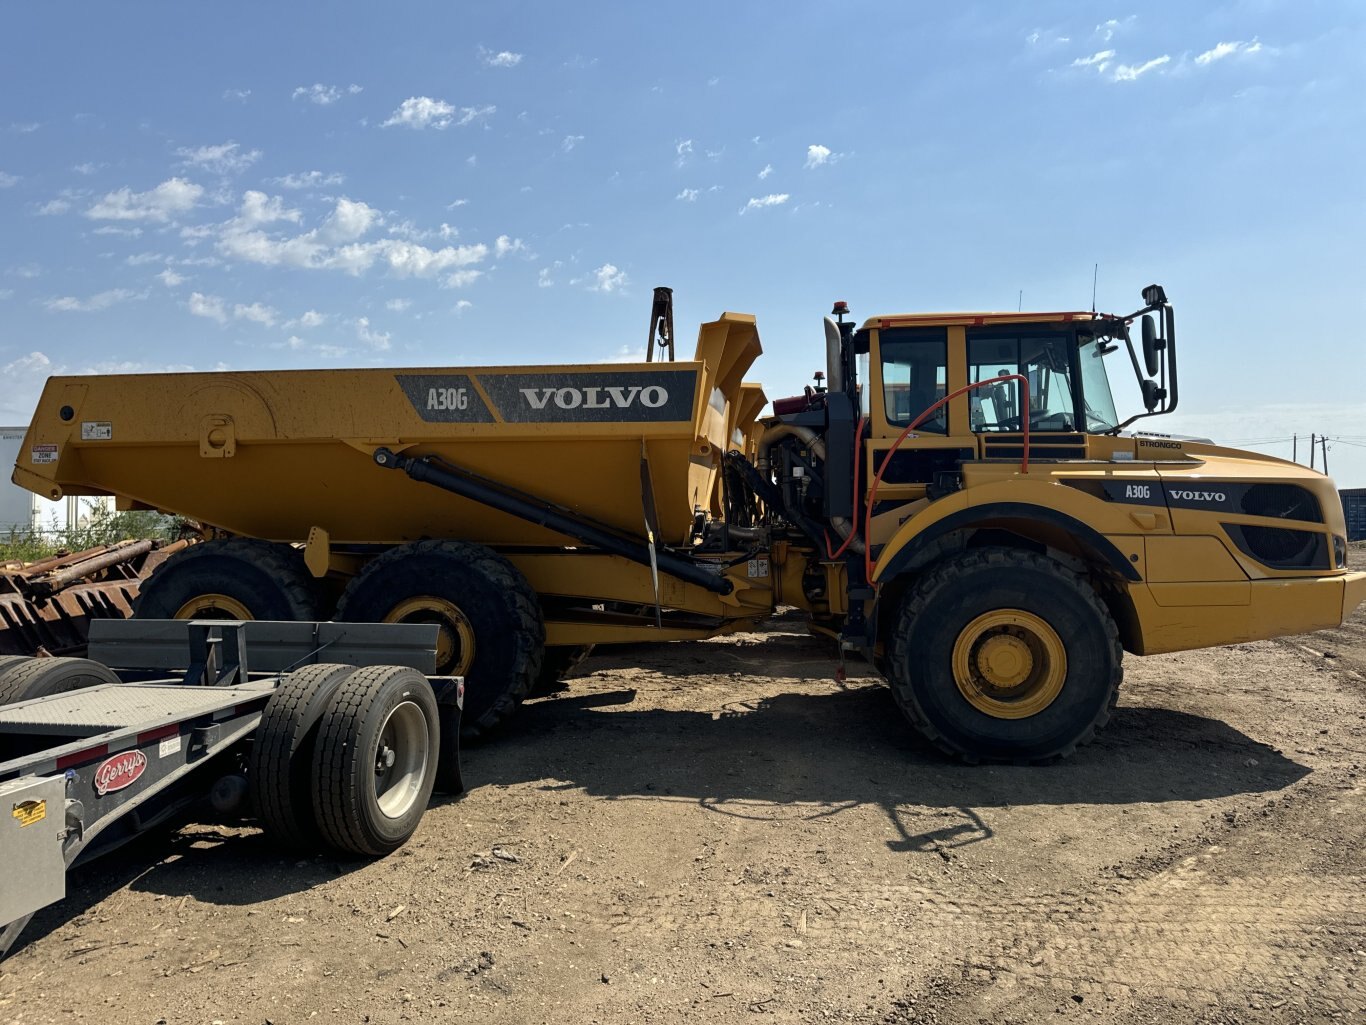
<point>719,832</point>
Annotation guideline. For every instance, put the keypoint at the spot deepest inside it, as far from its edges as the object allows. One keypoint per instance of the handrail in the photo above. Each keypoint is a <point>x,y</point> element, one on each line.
<point>877,478</point>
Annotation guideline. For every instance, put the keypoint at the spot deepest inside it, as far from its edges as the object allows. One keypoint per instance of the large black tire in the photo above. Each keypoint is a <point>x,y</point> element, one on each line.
<point>239,578</point>
<point>11,660</point>
<point>559,662</point>
<point>942,614</point>
<point>375,761</point>
<point>30,678</point>
<point>280,765</point>
<point>438,580</point>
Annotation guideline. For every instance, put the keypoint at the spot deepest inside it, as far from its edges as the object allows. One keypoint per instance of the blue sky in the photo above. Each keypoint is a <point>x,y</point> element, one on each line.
<point>258,186</point>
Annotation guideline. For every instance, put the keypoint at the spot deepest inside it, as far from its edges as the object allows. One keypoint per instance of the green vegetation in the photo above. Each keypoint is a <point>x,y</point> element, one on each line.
<point>104,526</point>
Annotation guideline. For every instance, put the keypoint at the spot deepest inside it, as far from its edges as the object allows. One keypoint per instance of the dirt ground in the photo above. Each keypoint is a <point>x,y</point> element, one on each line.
<point>719,832</point>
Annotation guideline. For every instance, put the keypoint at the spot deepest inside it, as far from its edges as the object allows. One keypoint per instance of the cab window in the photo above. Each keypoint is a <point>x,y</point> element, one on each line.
<point>914,375</point>
<point>1043,359</point>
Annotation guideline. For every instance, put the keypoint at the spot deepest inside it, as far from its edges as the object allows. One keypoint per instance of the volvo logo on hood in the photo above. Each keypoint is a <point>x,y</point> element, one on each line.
<point>1181,495</point>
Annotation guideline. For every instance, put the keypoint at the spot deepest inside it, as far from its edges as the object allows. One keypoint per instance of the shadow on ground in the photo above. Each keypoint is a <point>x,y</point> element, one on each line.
<point>771,756</point>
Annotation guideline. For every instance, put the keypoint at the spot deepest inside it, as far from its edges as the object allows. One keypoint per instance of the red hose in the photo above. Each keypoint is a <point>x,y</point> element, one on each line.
<point>877,479</point>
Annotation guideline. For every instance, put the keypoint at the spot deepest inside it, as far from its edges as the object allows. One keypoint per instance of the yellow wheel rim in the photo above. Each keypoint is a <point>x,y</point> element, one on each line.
<point>454,642</point>
<point>213,606</point>
<point>1009,664</point>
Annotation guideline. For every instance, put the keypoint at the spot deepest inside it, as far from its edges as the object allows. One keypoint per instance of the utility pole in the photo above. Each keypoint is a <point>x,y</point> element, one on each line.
<point>1312,445</point>
<point>1323,440</point>
<point>1295,448</point>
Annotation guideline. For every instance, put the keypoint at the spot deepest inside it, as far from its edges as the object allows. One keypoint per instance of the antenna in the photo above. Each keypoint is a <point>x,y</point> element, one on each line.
<point>1019,306</point>
<point>1095,276</point>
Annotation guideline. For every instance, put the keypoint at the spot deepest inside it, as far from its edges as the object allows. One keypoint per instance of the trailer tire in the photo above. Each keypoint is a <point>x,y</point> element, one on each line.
<point>280,764</point>
<point>492,631</point>
<point>238,578</point>
<point>39,677</point>
<point>375,761</point>
<point>557,663</point>
<point>979,665</point>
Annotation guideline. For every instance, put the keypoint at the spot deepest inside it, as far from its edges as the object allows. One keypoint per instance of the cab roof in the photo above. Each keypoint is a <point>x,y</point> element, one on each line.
<point>974,319</point>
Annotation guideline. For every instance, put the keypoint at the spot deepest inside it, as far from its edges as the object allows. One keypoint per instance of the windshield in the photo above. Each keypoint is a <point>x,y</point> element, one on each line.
<point>1095,387</point>
<point>1064,395</point>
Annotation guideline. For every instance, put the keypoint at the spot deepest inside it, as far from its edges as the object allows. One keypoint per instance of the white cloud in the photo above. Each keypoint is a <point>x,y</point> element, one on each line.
<point>337,244</point>
<point>461,278</point>
<point>25,127</point>
<point>99,301</point>
<point>86,168</point>
<point>425,112</point>
<point>311,319</point>
<point>462,305</point>
<point>209,306</point>
<point>308,180</point>
<point>759,202</point>
<point>349,221</point>
<point>501,59</point>
<point>818,156</point>
<point>1099,60</point>
<point>256,313</point>
<point>570,141</point>
<point>457,203</point>
<point>768,169</point>
<point>258,208</point>
<point>24,378</point>
<point>505,246</point>
<point>236,94</point>
<point>54,206</point>
<point>397,305</point>
<point>8,181</point>
<point>109,229</point>
<point>375,339</point>
<point>688,195</point>
<point>543,279</point>
<point>607,278</point>
<point>1129,72</point>
<point>1223,50</point>
<point>140,259</point>
<point>682,151</point>
<point>171,197</point>
<point>1106,30</point>
<point>626,354</point>
<point>226,158</point>
<point>324,95</point>
<point>170,278</point>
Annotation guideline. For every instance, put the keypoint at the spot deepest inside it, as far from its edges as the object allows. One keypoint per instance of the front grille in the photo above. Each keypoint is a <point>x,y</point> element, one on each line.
<point>1281,501</point>
<point>1280,547</point>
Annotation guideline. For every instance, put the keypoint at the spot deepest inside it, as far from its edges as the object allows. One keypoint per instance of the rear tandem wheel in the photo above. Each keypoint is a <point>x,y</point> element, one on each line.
<point>491,631</point>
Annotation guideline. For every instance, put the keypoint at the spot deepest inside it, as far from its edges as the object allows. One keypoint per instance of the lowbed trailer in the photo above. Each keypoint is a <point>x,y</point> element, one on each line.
<point>329,734</point>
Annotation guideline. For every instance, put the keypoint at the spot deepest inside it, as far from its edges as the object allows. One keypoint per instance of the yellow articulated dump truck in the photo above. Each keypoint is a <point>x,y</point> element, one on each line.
<point>957,499</point>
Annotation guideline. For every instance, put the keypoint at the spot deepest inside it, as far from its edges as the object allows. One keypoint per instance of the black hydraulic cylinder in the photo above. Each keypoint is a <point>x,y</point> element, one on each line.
<point>543,514</point>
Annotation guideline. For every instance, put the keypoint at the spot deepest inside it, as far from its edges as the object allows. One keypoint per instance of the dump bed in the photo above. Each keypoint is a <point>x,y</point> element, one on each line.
<point>272,454</point>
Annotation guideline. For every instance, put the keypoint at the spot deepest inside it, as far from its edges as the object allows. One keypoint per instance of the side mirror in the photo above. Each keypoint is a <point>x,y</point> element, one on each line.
<point>1152,394</point>
<point>1152,345</point>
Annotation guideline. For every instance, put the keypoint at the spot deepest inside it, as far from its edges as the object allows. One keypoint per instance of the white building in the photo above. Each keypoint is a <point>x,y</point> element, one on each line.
<point>23,510</point>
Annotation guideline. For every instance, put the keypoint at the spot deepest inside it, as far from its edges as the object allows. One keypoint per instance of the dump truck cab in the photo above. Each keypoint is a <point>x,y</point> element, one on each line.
<point>998,529</point>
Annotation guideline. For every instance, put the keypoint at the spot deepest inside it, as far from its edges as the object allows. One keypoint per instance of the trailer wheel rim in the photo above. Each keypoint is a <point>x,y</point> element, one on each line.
<point>214,606</point>
<point>455,639</point>
<point>1009,664</point>
<point>401,760</point>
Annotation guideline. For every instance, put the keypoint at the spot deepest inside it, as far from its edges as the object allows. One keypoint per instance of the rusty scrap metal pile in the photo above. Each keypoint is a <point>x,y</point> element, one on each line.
<point>46,606</point>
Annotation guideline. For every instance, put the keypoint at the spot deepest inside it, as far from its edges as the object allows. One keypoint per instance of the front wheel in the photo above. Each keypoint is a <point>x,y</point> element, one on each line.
<point>999,654</point>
